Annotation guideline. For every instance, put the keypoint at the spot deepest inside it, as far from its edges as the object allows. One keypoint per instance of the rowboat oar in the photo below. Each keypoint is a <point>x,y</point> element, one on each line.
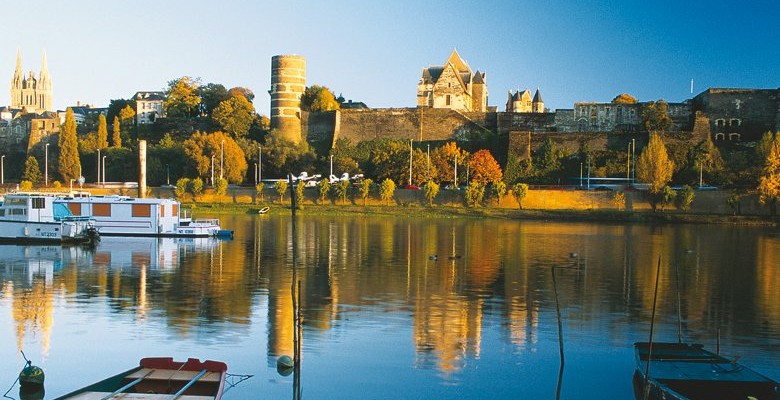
<point>128,386</point>
<point>187,386</point>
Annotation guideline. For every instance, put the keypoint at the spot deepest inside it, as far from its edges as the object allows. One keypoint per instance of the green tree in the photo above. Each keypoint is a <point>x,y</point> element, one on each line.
<point>220,186</point>
<point>431,191</point>
<point>182,98</point>
<point>387,190</point>
<point>624,98</point>
<point>654,165</point>
<point>520,190</point>
<point>684,198</point>
<point>210,96</point>
<point>655,116</point>
<point>548,159</point>
<point>668,196</point>
<point>364,189</point>
<point>324,189</point>
<point>196,187</point>
<point>281,156</point>
<point>116,134</point>
<point>281,188</point>
<point>318,98</point>
<point>475,193</point>
<point>102,132</point>
<point>341,190</point>
<point>769,182</point>
<point>69,162</point>
<point>234,115</point>
<point>299,192</point>
<point>31,172</point>
<point>499,188</point>
<point>182,185</point>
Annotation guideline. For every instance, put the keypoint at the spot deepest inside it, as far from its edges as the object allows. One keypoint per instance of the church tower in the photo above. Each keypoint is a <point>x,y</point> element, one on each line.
<point>30,93</point>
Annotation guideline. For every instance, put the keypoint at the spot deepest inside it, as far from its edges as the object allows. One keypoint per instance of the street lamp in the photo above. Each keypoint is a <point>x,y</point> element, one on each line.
<point>221,157</point>
<point>103,164</point>
<point>259,164</point>
<point>167,174</point>
<point>628,163</point>
<point>633,161</point>
<point>212,170</point>
<point>410,161</point>
<point>2,169</point>
<point>331,165</point>
<point>456,172</point>
<point>46,166</point>
<point>428,160</point>
<point>98,168</point>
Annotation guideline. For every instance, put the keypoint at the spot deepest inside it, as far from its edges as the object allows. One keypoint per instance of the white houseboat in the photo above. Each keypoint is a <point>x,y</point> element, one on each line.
<point>130,216</point>
<point>35,218</point>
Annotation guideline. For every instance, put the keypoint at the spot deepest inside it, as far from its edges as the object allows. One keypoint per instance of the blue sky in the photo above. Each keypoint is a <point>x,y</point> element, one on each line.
<point>373,51</point>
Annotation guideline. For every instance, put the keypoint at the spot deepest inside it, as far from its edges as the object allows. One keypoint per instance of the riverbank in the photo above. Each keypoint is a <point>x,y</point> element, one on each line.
<point>416,211</point>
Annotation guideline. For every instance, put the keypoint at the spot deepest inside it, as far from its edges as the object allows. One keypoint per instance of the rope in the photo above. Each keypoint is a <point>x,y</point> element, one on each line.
<point>27,363</point>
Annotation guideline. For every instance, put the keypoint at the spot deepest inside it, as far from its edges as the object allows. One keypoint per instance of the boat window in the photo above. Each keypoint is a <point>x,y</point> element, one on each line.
<point>16,201</point>
<point>175,210</point>
<point>162,210</point>
<point>75,208</point>
<point>61,211</point>
<point>2,213</point>
<point>142,210</point>
<point>38,203</point>
<point>101,209</point>
<point>18,211</point>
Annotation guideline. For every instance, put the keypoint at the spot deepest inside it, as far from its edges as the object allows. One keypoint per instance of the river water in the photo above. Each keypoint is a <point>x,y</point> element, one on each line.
<point>394,308</point>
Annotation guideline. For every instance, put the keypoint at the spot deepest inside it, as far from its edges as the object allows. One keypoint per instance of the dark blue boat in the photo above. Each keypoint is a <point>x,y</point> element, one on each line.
<point>683,371</point>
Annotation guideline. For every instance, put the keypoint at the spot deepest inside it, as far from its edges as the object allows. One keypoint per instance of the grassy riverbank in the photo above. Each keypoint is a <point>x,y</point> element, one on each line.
<point>417,211</point>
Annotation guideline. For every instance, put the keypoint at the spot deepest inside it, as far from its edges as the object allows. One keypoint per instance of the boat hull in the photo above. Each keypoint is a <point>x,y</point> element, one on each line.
<point>25,232</point>
<point>681,371</point>
<point>160,378</point>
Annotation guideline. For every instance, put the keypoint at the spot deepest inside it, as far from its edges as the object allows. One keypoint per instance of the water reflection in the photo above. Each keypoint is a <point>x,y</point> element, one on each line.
<point>443,295</point>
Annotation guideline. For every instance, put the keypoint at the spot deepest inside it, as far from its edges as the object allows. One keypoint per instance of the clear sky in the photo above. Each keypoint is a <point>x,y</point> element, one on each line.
<point>374,51</point>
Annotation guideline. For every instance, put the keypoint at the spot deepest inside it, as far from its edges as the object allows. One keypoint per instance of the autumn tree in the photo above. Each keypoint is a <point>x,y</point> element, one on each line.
<point>475,192</point>
<point>324,188</point>
<point>769,184</point>
<point>341,190</point>
<point>195,187</point>
<point>234,115</point>
<point>102,132</point>
<point>391,160</point>
<point>387,190</point>
<point>242,91</point>
<point>624,98</point>
<point>655,116</point>
<point>200,148</point>
<point>484,168</point>
<point>116,134</point>
<point>182,185</point>
<point>182,97</point>
<point>281,188</point>
<point>499,188</point>
<point>655,168</point>
<point>318,98</point>
<point>69,162</point>
<point>364,189</point>
<point>32,172</point>
<point>443,162</point>
<point>431,191</point>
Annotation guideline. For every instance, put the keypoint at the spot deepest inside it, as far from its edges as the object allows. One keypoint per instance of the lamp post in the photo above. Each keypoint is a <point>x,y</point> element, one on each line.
<point>98,167</point>
<point>259,164</point>
<point>212,170</point>
<point>628,163</point>
<point>103,164</point>
<point>2,169</point>
<point>167,174</point>
<point>46,166</point>
<point>428,160</point>
<point>331,166</point>
<point>456,172</point>
<point>221,157</point>
<point>580,174</point>
<point>633,161</point>
<point>410,161</point>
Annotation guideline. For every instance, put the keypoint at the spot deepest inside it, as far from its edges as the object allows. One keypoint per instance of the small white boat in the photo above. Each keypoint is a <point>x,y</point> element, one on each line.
<point>130,216</point>
<point>35,218</point>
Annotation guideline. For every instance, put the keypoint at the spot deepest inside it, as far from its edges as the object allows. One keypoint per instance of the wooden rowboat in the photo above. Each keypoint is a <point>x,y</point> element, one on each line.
<point>160,378</point>
<point>683,371</point>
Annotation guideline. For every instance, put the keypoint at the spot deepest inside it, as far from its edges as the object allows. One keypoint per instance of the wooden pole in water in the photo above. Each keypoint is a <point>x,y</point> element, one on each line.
<point>679,306</point>
<point>294,283</point>
<point>560,335</point>
<point>652,326</point>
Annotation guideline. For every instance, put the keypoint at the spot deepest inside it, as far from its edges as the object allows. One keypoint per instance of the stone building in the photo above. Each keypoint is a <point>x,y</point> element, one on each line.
<point>740,114</point>
<point>148,107</point>
<point>453,86</point>
<point>521,102</point>
<point>27,92</point>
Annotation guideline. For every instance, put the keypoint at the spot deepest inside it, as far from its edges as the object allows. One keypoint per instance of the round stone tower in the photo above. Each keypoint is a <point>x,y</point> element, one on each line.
<point>288,81</point>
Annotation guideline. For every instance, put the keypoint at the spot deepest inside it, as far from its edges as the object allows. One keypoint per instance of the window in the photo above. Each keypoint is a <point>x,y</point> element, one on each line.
<point>38,203</point>
<point>101,210</point>
<point>142,210</point>
<point>75,208</point>
<point>448,100</point>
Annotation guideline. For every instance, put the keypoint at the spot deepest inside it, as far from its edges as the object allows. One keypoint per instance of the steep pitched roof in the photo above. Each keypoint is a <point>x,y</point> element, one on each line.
<point>458,62</point>
<point>537,96</point>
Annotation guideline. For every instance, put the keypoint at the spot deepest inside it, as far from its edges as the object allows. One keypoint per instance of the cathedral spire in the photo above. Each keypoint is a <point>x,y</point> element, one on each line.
<point>17,80</point>
<point>44,76</point>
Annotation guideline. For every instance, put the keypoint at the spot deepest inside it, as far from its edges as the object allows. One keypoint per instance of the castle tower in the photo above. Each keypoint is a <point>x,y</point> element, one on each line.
<point>288,82</point>
<point>538,103</point>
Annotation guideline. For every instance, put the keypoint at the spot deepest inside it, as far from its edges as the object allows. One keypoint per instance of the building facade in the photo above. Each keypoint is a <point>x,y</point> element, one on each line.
<point>453,86</point>
<point>148,107</point>
<point>31,93</point>
<point>521,102</point>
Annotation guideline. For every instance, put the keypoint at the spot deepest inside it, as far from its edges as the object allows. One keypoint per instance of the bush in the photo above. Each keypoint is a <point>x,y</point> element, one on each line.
<point>475,193</point>
<point>365,189</point>
<point>25,186</point>
<point>181,188</point>
<point>324,188</point>
<point>431,191</point>
<point>196,187</point>
<point>281,188</point>
<point>299,192</point>
<point>220,186</point>
<point>387,190</point>
<point>520,190</point>
<point>341,190</point>
<point>619,199</point>
<point>259,190</point>
<point>684,198</point>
